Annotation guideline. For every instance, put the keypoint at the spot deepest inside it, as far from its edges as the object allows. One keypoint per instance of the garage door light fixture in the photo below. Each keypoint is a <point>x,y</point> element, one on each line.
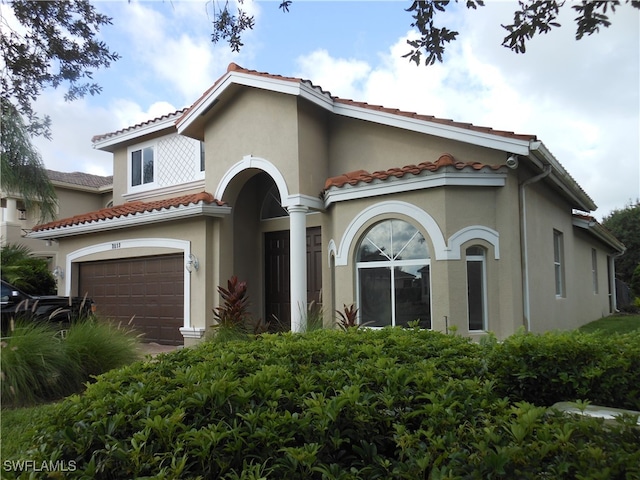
<point>192,263</point>
<point>58,273</point>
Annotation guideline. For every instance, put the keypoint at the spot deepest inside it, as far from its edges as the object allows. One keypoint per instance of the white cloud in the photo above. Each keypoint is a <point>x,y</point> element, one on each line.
<point>73,126</point>
<point>344,75</point>
<point>580,98</point>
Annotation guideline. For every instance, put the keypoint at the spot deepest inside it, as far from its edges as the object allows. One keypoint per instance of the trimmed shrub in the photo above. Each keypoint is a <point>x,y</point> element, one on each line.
<point>360,404</point>
<point>554,367</point>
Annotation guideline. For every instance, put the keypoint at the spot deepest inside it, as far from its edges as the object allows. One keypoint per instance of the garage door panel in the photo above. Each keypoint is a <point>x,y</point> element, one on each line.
<point>150,289</point>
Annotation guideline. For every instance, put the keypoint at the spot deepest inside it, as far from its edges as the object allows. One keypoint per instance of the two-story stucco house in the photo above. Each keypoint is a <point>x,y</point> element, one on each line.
<point>77,192</point>
<point>307,196</point>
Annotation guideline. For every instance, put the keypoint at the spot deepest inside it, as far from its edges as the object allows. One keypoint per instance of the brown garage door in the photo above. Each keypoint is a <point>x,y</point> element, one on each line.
<point>149,288</point>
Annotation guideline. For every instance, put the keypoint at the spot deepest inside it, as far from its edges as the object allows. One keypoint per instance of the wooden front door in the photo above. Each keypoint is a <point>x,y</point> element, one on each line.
<point>277,279</point>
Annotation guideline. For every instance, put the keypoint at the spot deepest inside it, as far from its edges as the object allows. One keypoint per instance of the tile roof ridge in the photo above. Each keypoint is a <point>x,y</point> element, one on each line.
<point>160,118</point>
<point>234,67</point>
<point>434,119</point>
<point>131,208</point>
<point>445,160</point>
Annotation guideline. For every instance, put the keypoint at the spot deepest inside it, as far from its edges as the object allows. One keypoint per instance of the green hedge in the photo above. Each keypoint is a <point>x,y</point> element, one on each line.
<point>556,367</point>
<point>360,404</point>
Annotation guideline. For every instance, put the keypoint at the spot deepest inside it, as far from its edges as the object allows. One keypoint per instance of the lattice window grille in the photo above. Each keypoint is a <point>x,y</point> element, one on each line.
<point>176,157</point>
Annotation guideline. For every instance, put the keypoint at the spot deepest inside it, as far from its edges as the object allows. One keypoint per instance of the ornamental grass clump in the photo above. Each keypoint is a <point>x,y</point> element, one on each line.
<point>35,366</point>
<point>99,346</point>
<point>41,364</point>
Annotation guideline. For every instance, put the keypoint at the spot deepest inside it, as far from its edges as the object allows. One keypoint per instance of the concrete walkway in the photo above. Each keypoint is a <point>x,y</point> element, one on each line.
<point>152,348</point>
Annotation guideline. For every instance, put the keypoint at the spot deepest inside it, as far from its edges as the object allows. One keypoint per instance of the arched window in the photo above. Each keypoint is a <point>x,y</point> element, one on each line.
<point>393,272</point>
<point>476,288</point>
<point>271,206</point>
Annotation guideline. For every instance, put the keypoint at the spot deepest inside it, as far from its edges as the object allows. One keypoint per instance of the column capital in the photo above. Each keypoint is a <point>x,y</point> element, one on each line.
<point>297,209</point>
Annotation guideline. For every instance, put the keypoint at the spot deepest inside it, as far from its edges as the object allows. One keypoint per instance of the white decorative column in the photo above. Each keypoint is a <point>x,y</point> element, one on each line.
<point>11,211</point>
<point>298,262</point>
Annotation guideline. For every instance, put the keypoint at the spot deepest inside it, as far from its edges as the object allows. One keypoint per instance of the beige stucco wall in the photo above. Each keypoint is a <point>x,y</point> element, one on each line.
<point>546,212</point>
<point>257,123</point>
<point>356,144</point>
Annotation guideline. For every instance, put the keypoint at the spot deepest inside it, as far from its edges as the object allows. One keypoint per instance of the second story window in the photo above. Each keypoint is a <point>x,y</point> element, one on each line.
<point>202,164</point>
<point>142,161</point>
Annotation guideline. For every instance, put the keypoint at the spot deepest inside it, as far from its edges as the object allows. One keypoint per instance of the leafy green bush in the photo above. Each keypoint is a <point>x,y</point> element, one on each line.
<point>360,404</point>
<point>30,274</point>
<point>545,369</point>
<point>38,364</point>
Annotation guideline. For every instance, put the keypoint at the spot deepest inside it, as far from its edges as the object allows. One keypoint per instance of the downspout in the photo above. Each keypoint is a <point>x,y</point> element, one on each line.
<point>612,287</point>
<point>523,244</point>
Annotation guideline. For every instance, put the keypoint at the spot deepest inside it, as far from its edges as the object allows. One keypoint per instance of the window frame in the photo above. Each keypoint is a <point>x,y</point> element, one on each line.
<point>391,264</point>
<point>143,185</point>
<point>594,270</point>
<point>482,259</point>
<point>558,264</point>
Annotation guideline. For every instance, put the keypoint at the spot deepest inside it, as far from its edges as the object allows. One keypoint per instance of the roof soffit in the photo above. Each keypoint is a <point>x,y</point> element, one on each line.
<point>596,229</point>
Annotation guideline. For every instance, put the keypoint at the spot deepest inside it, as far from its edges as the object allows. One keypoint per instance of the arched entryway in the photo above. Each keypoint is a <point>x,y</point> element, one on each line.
<point>267,233</point>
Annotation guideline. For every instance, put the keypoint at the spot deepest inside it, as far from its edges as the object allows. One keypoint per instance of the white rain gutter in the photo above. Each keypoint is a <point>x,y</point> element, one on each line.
<point>523,244</point>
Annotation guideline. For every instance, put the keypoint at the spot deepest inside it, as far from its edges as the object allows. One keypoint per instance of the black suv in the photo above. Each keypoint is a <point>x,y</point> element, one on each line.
<point>16,304</point>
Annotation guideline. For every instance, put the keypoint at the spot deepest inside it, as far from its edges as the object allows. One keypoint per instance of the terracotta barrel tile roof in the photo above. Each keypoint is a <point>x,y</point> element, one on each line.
<point>234,67</point>
<point>431,118</point>
<point>445,160</point>
<point>177,113</point>
<point>130,208</point>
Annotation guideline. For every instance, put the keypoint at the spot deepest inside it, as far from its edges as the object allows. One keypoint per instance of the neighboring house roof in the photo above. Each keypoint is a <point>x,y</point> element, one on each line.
<point>80,179</point>
<point>599,231</point>
<point>133,213</point>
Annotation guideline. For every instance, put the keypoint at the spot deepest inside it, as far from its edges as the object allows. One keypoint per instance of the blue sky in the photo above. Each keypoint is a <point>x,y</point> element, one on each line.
<point>580,98</point>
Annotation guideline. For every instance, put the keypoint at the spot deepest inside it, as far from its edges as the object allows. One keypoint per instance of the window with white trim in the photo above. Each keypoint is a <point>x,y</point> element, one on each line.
<point>594,269</point>
<point>393,276</point>
<point>558,262</point>
<point>476,288</point>
<point>141,166</point>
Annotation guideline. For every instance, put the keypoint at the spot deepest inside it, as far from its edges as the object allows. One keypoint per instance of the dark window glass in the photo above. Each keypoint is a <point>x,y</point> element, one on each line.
<point>375,296</point>
<point>475,295</point>
<point>136,168</point>
<point>148,164</point>
<point>394,276</point>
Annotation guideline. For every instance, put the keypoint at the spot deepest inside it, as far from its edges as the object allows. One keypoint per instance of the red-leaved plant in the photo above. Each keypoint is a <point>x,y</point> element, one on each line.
<point>348,317</point>
<point>233,312</point>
